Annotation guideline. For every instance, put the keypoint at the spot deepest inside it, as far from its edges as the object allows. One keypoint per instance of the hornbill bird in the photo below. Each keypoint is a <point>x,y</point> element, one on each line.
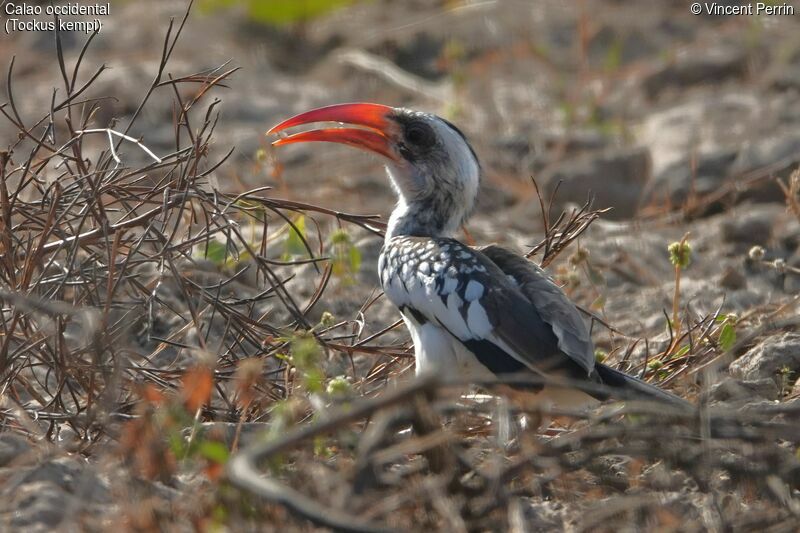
<point>471,312</point>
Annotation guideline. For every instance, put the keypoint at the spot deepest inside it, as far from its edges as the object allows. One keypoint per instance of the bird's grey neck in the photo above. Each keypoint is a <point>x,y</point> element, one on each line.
<point>431,205</point>
<point>430,217</point>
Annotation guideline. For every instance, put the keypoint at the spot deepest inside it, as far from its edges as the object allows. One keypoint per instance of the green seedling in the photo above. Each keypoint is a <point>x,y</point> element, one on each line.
<point>346,257</point>
<point>280,12</point>
<point>680,255</point>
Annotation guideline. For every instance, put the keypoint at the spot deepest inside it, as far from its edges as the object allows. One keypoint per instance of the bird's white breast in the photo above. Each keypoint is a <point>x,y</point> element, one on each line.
<point>438,352</point>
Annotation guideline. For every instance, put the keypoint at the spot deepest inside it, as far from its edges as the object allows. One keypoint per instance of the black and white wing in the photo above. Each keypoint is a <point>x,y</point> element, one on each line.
<point>486,307</point>
<point>554,308</point>
<point>502,308</point>
<point>568,326</point>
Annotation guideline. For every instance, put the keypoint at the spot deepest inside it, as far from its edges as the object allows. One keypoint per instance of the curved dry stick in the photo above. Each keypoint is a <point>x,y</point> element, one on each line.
<point>243,468</point>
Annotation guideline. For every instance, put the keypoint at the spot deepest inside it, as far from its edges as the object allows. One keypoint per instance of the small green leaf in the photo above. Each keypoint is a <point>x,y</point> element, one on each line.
<point>321,448</point>
<point>177,444</point>
<point>216,252</point>
<point>213,451</point>
<point>683,351</point>
<point>306,352</point>
<point>340,236</point>
<point>346,256</point>
<point>355,259</point>
<point>294,240</point>
<point>613,58</point>
<point>600,355</point>
<point>219,515</point>
<point>278,12</point>
<point>314,380</point>
<point>284,12</point>
<point>727,337</point>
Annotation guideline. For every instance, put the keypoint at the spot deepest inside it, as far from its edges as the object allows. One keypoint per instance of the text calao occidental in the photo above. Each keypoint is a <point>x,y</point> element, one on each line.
<point>65,9</point>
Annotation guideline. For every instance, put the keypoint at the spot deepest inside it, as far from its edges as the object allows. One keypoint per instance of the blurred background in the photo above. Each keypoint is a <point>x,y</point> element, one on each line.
<point>644,105</point>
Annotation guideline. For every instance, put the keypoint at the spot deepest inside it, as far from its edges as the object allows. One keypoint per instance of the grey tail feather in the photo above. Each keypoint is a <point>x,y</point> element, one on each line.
<point>636,387</point>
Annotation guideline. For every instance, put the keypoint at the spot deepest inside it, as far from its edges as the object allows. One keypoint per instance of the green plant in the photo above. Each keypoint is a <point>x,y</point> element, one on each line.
<point>600,355</point>
<point>657,367</point>
<point>680,255</point>
<point>612,60</point>
<point>306,358</point>
<point>224,255</point>
<point>784,379</point>
<point>339,386</point>
<point>757,254</point>
<point>295,243</point>
<point>166,435</point>
<point>726,333</point>
<point>346,256</point>
<point>280,12</point>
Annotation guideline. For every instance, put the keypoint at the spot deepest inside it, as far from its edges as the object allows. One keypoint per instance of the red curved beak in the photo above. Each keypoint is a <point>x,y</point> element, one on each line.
<point>373,135</point>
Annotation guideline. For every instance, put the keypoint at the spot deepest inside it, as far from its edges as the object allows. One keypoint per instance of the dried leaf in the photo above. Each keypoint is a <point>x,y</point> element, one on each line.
<point>197,385</point>
<point>150,394</point>
<point>247,375</point>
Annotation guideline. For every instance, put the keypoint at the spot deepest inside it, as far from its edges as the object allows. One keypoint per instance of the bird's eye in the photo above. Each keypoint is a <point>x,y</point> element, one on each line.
<point>419,134</point>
